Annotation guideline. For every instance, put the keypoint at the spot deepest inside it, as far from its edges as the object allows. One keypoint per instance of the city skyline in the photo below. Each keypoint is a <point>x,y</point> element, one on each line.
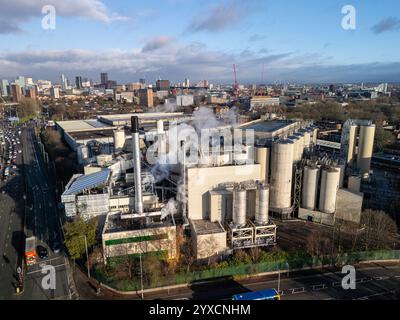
<point>268,41</point>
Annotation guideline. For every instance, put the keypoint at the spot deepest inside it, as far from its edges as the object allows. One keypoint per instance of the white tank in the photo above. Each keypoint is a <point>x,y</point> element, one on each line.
<point>315,135</point>
<point>262,205</point>
<point>300,149</point>
<point>281,174</point>
<point>329,187</point>
<point>119,138</point>
<point>296,146</point>
<point>262,157</point>
<point>342,168</point>
<point>160,126</point>
<point>307,138</point>
<point>310,188</point>
<point>239,210</point>
<point>365,149</point>
<point>352,143</point>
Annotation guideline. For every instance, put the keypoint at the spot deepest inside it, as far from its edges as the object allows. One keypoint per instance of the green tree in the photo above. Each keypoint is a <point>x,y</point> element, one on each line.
<point>74,236</point>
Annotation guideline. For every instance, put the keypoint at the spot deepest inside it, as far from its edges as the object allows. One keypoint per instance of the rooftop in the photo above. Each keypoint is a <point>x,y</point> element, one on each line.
<point>202,227</point>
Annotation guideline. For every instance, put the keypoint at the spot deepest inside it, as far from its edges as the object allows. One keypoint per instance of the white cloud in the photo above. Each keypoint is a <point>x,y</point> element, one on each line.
<point>13,13</point>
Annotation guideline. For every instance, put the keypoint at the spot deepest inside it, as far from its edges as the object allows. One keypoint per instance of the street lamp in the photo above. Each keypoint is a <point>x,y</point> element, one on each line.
<point>87,256</point>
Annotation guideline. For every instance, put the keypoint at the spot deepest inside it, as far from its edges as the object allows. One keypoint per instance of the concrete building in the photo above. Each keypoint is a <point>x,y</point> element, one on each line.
<point>146,97</point>
<point>162,85</point>
<point>121,237</point>
<point>184,100</point>
<point>16,92</point>
<point>4,88</point>
<point>54,93</point>
<point>263,101</point>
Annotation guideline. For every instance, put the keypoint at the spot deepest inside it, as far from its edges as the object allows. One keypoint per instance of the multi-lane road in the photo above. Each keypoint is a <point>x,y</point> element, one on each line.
<point>37,216</point>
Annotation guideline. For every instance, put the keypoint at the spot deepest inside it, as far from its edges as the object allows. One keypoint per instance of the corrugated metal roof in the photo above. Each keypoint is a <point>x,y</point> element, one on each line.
<point>88,181</point>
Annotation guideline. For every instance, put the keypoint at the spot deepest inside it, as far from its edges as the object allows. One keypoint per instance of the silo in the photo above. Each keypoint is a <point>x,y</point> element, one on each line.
<point>300,149</point>
<point>310,187</point>
<point>296,146</point>
<point>262,157</point>
<point>329,187</point>
<point>352,143</point>
<point>281,174</point>
<point>342,168</point>
<point>307,138</point>
<point>365,149</point>
<point>262,205</point>
<point>160,126</point>
<point>239,210</point>
<point>315,135</point>
<point>310,130</point>
<point>119,139</point>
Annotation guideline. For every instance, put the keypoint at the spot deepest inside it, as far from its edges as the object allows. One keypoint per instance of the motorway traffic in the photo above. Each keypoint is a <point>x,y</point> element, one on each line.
<point>29,213</point>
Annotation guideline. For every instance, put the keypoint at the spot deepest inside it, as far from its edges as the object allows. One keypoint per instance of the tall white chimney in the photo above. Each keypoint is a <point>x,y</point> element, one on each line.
<point>137,165</point>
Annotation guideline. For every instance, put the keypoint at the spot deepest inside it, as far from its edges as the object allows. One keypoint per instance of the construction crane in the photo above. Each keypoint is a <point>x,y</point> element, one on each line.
<point>236,83</point>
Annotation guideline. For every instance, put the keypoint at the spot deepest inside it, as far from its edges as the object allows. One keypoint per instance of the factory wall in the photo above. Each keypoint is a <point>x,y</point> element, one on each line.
<point>208,245</point>
<point>201,180</point>
<point>140,241</point>
<point>349,206</point>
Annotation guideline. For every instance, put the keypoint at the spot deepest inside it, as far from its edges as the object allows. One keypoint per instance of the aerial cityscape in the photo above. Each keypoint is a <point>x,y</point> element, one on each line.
<point>220,151</point>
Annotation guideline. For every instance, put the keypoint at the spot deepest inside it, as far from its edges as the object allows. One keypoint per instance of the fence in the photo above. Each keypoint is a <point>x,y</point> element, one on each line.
<point>291,262</point>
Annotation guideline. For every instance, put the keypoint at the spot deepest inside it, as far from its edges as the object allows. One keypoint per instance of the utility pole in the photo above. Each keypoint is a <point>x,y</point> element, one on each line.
<point>87,256</point>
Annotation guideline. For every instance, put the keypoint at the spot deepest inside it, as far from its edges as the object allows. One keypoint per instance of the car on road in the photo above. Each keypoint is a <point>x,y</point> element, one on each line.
<point>42,252</point>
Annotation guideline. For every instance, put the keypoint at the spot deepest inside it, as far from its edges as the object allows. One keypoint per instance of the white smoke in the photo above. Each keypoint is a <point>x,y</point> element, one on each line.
<point>170,209</point>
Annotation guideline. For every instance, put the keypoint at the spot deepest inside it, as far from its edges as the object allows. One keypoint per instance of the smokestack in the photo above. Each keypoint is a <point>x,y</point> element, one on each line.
<point>137,164</point>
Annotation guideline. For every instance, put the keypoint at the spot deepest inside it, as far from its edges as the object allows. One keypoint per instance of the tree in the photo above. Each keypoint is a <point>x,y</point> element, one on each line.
<point>75,233</point>
<point>28,107</point>
<point>318,244</point>
<point>380,230</point>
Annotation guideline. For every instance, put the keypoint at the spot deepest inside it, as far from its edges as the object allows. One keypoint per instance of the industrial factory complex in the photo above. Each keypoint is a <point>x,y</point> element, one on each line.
<point>229,199</point>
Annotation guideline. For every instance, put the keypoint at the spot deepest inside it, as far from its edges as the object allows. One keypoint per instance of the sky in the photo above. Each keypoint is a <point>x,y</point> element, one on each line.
<point>268,40</point>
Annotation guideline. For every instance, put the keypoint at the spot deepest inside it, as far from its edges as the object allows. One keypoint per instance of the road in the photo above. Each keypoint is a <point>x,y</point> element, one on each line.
<point>377,281</point>
<point>42,221</point>
<point>28,208</point>
<point>11,231</point>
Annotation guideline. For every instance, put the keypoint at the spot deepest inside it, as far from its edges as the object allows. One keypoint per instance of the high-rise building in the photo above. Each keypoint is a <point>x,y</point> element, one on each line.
<point>54,92</point>
<point>111,84</point>
<point>78,82</point>
<point>186,83</point>
<point>146,97</point>
<point>64,83</point>
<point>31,92</point>
<point>104,78</point>
<point>162,85</point>
<point>4,88</point>
<point>16,92</point>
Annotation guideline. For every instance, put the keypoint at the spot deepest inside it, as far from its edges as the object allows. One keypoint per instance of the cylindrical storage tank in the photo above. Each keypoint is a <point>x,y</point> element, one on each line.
<point>352,143</point>
<point>119,138</point>
<point>365,149</point>
<point>307,138</point>
<point>342,168</point>
<point>239,210</point>
<point>296,146</point>
<point>262,205</point>
<point>160,126</point>
<point>300,148</point>
<point>354,184</point>
<point>262,157</point>
<point>281,174</point>
<point>315,135</point>
<point>310,130</point>
<point>310,188</point>
<point>329,187</point>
